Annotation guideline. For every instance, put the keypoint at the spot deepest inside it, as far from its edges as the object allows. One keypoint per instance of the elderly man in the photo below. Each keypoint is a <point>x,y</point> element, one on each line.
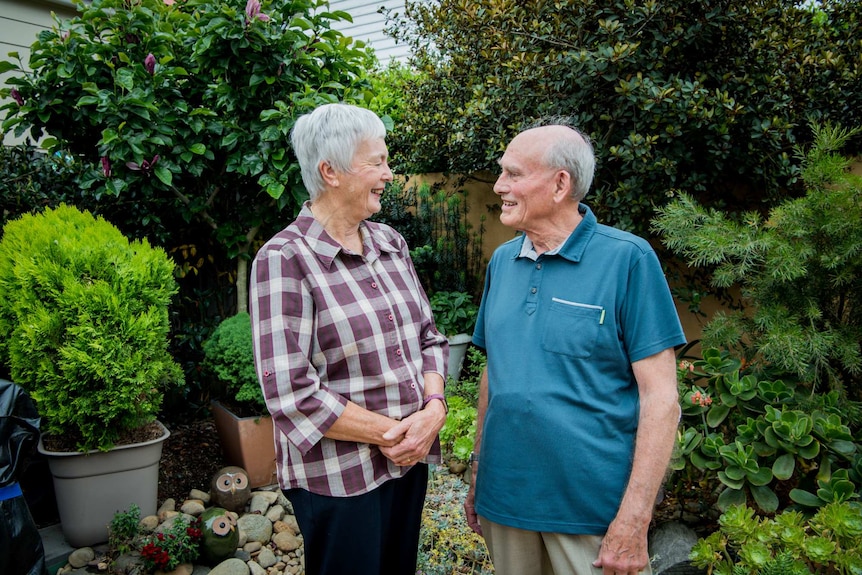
<point>578,405</point>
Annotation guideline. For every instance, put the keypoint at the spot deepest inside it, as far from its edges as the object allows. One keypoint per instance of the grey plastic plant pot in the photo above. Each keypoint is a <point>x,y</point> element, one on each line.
<point>458,345</point>
<point>92,487</point>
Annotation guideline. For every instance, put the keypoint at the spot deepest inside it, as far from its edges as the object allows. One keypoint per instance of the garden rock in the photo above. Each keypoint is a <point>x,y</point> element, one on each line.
<point>670,545</point>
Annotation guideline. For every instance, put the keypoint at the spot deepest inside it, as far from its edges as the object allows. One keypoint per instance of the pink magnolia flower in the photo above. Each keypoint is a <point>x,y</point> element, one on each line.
<point>252,12</point>
<point>145,166</point>
<point>16,95</point>
<point>106,167</point>
<point>150,63</point>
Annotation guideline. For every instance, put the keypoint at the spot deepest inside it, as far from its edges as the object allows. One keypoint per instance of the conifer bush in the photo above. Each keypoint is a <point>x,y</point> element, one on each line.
<point>84,318</point>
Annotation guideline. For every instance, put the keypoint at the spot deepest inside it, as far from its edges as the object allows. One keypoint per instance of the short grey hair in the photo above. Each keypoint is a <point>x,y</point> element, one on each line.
<point>331,133</point>
<point>569,154</point>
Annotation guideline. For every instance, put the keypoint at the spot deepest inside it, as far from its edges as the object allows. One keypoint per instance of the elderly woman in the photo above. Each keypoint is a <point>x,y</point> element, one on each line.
<point>348,356</point>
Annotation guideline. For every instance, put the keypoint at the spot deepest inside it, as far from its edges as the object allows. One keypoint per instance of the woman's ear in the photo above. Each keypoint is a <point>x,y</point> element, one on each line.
<point>328,173</point>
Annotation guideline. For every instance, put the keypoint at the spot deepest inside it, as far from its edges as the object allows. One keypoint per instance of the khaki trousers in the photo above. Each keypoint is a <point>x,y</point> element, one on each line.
<point>518,552</point>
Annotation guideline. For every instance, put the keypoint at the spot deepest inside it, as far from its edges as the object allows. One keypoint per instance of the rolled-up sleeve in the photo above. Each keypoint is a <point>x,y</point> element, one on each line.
<point>282,312</point>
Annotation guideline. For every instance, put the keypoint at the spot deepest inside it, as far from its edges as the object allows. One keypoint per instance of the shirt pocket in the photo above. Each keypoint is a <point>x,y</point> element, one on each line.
<point>572,328</point>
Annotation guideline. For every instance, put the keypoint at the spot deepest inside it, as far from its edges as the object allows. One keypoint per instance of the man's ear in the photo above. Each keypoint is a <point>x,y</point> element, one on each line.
<point>328,173</point>
<point>562,185</point>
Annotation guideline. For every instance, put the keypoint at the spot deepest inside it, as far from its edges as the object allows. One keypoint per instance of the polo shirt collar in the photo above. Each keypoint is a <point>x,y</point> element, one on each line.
<point>573,247</point>
<point>327,249</point>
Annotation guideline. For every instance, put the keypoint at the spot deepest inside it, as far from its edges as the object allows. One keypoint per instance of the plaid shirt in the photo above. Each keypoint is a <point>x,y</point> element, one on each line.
<point>331,326</point>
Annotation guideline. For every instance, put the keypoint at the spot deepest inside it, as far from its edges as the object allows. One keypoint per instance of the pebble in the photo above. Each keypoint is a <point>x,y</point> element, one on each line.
<point>259,552</point>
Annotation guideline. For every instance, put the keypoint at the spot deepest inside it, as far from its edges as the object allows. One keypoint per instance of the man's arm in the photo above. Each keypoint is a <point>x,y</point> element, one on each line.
<point>470,502</point>
<point>624,548</point>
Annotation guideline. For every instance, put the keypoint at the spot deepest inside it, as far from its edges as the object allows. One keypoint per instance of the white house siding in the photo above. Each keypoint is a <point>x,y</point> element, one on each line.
<point>368,26</point>
<point>20,24</point>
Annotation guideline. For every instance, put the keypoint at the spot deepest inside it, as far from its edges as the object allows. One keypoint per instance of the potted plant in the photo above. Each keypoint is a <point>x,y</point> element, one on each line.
<point>243,425</point>
<point>455,316</point>
<point>84,318</point>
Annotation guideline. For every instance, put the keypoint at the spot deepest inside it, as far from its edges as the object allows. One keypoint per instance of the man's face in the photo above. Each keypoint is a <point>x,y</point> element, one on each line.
<point>526,186</point>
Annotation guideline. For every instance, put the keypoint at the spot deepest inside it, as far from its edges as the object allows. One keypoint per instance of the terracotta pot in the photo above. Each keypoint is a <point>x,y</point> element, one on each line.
<point>247,442</point>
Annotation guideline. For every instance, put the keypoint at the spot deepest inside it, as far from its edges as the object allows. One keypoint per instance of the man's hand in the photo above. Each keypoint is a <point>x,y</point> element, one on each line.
<point>624,548</point>
<point>470,502</point>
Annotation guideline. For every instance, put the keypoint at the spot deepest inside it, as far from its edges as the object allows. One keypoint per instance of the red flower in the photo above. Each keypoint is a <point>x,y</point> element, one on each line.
<point>16,95</point>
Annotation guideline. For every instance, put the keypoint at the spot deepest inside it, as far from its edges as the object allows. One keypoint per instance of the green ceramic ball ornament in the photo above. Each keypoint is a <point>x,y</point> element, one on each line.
<point>220,535</point>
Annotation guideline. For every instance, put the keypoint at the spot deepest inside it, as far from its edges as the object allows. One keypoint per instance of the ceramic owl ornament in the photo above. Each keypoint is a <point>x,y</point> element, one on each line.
<point>220,535</point>
<point>230,488</point>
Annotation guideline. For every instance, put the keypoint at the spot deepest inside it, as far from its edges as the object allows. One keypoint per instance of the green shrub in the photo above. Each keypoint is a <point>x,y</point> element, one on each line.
<point>828,543</point>
<point>454,312</point>
<point>229,357</point>
<point>84,313</point>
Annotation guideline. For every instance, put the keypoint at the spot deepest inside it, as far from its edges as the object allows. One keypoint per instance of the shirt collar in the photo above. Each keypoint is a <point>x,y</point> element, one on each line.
<point>327,249</point>
<point>574,245</point>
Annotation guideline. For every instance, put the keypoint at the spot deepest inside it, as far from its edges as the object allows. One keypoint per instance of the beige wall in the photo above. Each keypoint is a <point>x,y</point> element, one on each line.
<point>480,195</point>
<point>20,24</point>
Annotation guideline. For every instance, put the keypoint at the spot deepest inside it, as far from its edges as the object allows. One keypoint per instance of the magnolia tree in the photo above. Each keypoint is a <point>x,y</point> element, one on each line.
<point>181,110</point>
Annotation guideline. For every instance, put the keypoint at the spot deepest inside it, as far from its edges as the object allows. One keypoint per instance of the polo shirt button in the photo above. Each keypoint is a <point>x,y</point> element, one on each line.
<point>533,290</point>
<point>538,266</point>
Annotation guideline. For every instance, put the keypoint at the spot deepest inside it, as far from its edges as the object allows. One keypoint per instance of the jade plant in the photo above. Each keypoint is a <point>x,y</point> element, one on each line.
<point>84,313</point>
<point>751,438</point>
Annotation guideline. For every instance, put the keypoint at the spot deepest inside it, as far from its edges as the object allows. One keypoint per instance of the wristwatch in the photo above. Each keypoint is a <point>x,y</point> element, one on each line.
<point>474,458</point>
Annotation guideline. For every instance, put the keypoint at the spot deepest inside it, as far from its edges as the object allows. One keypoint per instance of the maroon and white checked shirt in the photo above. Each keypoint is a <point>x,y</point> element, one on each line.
<point>331,326</point>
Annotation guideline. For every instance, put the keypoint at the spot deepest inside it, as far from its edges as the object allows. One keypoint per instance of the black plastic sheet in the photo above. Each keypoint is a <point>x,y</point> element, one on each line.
<point>21,550</point>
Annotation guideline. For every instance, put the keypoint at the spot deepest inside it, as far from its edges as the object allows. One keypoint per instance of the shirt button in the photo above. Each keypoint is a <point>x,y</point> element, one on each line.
<point>533,290</point>
<point>413,385</point>
<point>538,266</point>
<point>397,352</point>
<point>390,317</point>
<point>374,285</point>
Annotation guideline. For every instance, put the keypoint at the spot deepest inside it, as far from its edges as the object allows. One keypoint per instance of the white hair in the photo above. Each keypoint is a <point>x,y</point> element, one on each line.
<point>331,133</point>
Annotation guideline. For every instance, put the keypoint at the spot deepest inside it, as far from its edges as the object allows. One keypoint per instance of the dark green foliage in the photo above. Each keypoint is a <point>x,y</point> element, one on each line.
<point>445,250</point>
<point>799,268</point>
<point>185,110</point>
<point>229,358</point>
<point>84,313</point>
<point>30,180</point>
<point>675,94</point>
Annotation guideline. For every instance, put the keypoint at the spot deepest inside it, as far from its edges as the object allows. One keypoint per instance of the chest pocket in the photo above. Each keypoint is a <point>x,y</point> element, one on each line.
<point>572,328</point>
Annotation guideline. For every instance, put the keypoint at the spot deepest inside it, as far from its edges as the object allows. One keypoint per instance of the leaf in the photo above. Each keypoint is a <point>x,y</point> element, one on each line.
<point>716,415</point>
<point>125,78</point>
<point>765,497</point>
<point>784,466</point>
<point>730,497</point>
<point>198,149</point>
<point>164,175</point>
<point>805,498</point>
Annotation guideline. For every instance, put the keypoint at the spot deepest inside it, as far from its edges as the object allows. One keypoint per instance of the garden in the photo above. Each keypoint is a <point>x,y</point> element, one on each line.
<point>729,135</point>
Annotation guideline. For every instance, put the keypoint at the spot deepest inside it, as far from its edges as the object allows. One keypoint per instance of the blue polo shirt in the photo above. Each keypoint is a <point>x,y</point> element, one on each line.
<point>561,333</point>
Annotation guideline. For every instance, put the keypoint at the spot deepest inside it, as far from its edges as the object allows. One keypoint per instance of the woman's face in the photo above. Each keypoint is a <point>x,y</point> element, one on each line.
<point>368,176</point>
